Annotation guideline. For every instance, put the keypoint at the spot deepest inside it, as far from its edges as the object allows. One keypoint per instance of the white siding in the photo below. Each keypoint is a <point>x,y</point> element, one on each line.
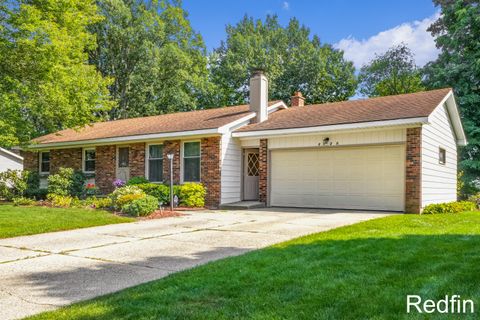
<point>340,139</point>
<point>231,165</point>
<point>250,143</point>
<point>9,162</point>
<point>439,181</point>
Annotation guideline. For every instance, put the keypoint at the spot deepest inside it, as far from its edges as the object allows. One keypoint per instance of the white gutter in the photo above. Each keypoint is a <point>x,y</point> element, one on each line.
<point>16,156</point>
<point>349,126</point>
<point>143,137</point>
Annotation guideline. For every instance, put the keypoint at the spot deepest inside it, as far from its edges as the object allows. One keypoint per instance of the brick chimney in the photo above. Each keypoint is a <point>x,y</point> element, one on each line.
<point>259,95</point>
<point>297,100</point>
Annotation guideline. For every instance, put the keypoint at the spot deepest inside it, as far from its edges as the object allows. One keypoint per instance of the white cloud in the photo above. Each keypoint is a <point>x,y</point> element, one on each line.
<point>413,34</point>
<point>285,5</point>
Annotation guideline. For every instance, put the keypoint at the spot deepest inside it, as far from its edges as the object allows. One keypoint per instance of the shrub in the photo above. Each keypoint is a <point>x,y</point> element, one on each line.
<point>57,200</point>
<point>77,187</point>
<point>475,199</point>
<point>22,201</point>
<point>67,182</point>
<point>13,183</point>
<point>127,198</point>
<point>141,207</point>
<point>98,203</point>
<point>33,186</point>
<point>127,190</point>
<point>449,207</point>
<point>137,180</point>
<point>192,195</point>
<point>159,191</point>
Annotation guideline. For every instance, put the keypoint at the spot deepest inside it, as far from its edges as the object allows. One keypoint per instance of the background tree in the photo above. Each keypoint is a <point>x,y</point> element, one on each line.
<point>393,72</point>
<point>46,83</point>
<point>291,59</point>
<point>157,60</point>
<point>457,33</point>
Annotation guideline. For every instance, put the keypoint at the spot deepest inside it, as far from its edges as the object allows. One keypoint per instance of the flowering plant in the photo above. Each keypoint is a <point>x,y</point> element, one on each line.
<point>118,183</point>
<point>91,189</point>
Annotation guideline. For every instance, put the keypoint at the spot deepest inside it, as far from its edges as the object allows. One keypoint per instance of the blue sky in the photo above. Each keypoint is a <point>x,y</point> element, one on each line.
<point>360,28</point>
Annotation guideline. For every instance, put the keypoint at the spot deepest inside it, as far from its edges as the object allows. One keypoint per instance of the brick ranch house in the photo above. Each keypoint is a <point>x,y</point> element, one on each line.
<point>396,153</point>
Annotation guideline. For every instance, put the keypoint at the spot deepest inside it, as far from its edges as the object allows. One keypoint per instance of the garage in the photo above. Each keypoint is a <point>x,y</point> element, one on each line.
<point>369,177</point>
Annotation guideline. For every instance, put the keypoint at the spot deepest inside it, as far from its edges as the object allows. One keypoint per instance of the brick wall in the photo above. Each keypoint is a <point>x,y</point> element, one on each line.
<point>168,148</point>
<point>105,168</point>
<point>263,171</point>
<point>137,160</point>
<point>30,160</point>
<point>65,158</point>
<point>210,170</point>
<point>413,167</point>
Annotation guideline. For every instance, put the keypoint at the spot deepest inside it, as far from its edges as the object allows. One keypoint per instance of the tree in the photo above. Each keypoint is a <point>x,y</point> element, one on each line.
<point>157,61</point>
<point>46,83</point>
<point>457,31</point>
<point>393,72</point>
<point>291,59</point>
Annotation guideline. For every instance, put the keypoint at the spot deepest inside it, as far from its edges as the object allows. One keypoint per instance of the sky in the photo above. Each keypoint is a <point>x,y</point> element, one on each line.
<point>360,28</point>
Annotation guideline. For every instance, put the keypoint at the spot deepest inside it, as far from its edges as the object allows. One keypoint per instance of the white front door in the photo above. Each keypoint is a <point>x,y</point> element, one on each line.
<point>123,163</point>
<point>342,178</point>
<point>250,175</point>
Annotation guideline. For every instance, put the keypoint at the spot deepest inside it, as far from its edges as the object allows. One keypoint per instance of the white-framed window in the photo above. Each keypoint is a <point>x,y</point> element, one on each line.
<point>191,161</point>
<point>442,156</point>
<point>89,156</point>
<point>44,161</point>
<point>155,162</point>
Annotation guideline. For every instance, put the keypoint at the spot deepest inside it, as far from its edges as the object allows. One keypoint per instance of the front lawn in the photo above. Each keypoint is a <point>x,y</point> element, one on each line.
<point>19,221</point>
<point>356,272</point>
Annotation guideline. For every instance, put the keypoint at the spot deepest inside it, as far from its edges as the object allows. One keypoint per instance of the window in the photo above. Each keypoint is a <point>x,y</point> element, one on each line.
<point>123,157</point>
<point>155,163</point>
<point>89,160</point>
<point>191,161</point>
<point>45,162</point>
<point>442,156</point>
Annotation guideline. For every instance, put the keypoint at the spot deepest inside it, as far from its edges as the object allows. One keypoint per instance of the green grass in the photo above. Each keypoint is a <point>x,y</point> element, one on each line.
<point>20,221</point>
<point>362,271</point>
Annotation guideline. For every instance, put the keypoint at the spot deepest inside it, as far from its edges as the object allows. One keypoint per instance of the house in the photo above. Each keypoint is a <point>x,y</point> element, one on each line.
<point>10,160</point>
<point>395,153</point>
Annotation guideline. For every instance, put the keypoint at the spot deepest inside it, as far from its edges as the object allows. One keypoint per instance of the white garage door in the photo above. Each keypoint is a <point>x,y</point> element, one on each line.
<point>369,178</point>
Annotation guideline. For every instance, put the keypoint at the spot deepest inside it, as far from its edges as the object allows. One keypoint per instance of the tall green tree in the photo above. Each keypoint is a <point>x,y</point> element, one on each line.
<point>293,60</point>
<point>157,60</point>
<point>46,83</point>
<point>393,72</point>
<point>457,33</point>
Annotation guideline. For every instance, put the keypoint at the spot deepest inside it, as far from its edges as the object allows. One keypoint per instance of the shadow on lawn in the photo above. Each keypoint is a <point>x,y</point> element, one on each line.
<point>328,279</point>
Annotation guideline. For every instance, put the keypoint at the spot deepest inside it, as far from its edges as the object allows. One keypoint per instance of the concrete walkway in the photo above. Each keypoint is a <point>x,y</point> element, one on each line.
<point>46,271</point>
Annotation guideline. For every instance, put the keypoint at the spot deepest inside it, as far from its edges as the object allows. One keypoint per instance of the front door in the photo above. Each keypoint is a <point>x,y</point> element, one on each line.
<point>250,174</point>
<point>123,162</point>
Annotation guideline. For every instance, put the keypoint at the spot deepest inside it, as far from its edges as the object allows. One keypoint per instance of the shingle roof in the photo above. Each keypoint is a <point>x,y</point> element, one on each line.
<point>403,106</point>
<point>166,123</point>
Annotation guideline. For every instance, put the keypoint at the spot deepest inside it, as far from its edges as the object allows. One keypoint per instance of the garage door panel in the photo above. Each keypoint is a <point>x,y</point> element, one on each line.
<point>351,178</point>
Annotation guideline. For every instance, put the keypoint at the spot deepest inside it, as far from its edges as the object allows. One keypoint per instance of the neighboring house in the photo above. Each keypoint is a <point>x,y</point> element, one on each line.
<point>390,153</point>
<point>10,160</point>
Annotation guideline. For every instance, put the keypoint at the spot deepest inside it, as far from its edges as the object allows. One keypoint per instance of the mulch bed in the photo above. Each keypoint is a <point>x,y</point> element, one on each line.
<point>162,214</point>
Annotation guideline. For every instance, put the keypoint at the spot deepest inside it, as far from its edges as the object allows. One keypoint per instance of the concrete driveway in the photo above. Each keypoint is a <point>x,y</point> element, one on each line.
<point>46,271</point>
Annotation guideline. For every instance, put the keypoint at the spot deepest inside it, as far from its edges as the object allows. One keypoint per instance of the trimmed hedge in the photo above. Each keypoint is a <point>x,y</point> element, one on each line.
<point>141,207</point>
<point>449,207</point>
